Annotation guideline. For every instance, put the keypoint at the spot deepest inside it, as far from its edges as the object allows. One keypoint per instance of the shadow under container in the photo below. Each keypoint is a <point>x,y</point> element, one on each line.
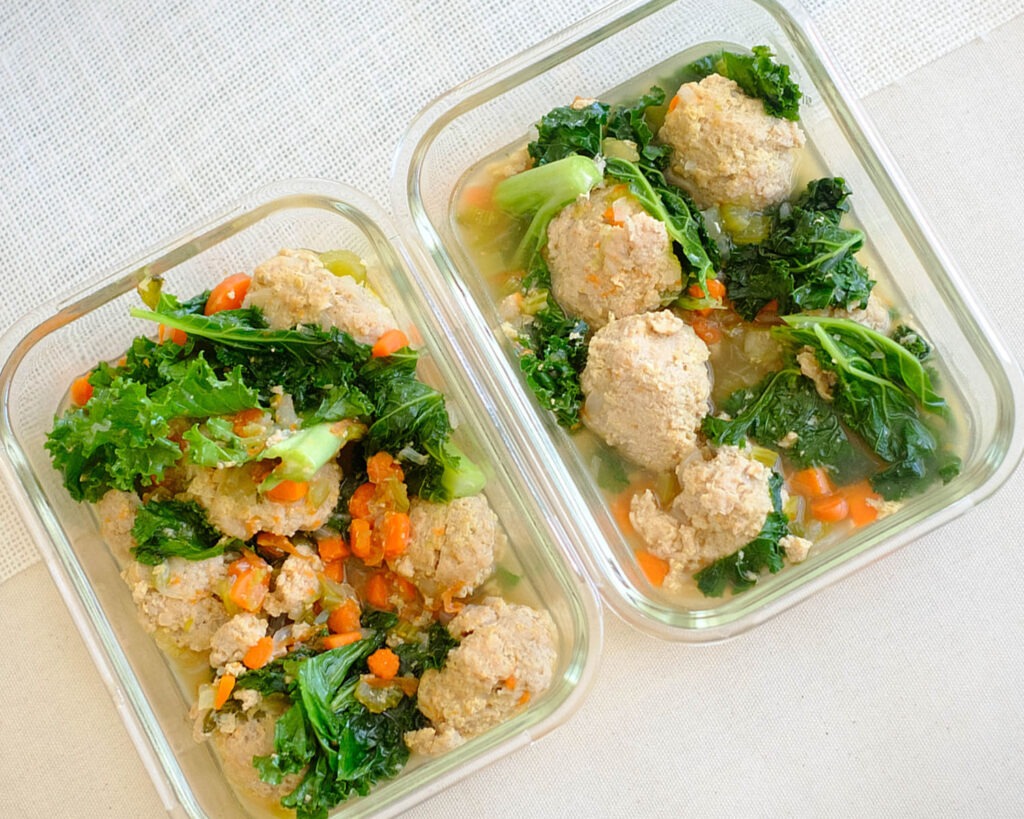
<point>614,56</point>
<point>44,353</point>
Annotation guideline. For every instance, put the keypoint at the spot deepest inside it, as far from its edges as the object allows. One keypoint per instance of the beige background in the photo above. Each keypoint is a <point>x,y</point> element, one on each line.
<point>896,692</point>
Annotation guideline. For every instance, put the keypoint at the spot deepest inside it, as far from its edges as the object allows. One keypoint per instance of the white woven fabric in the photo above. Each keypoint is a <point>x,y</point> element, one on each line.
<point>897,692</point>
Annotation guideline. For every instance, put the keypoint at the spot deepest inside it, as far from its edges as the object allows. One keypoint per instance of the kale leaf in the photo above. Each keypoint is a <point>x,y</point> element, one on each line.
<point>566,130</point>
<point>758,75</point>
<point>783,402</point>
<point>164,529</point>
<point>742,568</point>
<point>123,432</point>
<point>554,354</point>
<point>807,261</point>
<point>880,388</point>
<point>430,652</point>
<point>912,341</point>
<point>342,747</point>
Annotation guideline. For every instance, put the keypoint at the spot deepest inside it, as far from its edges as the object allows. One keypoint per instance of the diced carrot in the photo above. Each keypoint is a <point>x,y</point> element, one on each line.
<point>510,681</point>
<point>335,570</point>
<point>339,640</point>
<point>829,508</point>
<point>81,390</point>
<point>397,529</point>
<point>377,591</point>
<point>477,196</point>
<point>381,465</point>
<point>389,343</point>
<point>229,294</point>
<point>812,482</point>
<point>654,568</point>
<point>259,653</point>
<point>332,547</point>
<point>857,496</point>
<point>383,663</point>
<point>344,617</point>
<point>359,537</point>
<point>715,288</point>
<point>225,685</point>
<point>525,698</point>
<point>288,491</point>
<point>706,332</point>
<point>673,103</point>
<point>243,419</point>
<point>250,582</point>
<point>165,333</point>
<point>359,503</point>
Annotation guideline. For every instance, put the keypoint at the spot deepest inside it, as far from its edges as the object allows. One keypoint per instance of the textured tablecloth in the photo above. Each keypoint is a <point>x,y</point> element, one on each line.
<point>897,692</point>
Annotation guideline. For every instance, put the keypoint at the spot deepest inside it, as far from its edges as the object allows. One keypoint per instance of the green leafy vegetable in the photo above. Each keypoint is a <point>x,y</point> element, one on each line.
<point>913,342</point>
<point>411,417</point>
<point>879,389</point>
<point>429,652</point>
<point>543,191</point>
<point>164,529</point>
<point>784,402</point>
<point>566,130</point>
<point>343,747</point>
<point>122,434</point>
<point>807,261</point>
<point>742,569</point>
<point>759,76</point>
<point>555,353</point>
<point>303,453</point>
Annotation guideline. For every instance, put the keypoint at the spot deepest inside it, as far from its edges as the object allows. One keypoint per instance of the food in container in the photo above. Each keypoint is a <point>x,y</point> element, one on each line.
<point>298,540</point>
<point>684,286</point>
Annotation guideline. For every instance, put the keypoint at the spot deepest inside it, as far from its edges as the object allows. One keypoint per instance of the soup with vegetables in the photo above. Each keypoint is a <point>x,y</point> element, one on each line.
<point>295,520</point>
<point>696,308</point>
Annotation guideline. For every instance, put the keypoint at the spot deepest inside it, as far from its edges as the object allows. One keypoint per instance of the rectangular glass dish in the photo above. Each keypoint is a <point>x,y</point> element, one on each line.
<point>614,56</point>
<point>43,354</point>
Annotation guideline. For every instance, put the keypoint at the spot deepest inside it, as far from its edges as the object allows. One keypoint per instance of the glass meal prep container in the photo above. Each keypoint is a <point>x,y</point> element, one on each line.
<point>44,353</point>
<point>616,57</point>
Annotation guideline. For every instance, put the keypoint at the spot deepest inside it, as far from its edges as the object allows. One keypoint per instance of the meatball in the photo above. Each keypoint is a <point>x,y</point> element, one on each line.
<point>297,585</point>
<point>294,287</point>
<point>726,149</point>
<point>233,639</point>
<point>609,257</point>
<point>505,658</point>
<point>721,507</point>
<point>451,547</point>
<point>116,510</point>
<point>176,599</point>
<point>240,739</point>
<point>235,506</point>
<point>647,386</point>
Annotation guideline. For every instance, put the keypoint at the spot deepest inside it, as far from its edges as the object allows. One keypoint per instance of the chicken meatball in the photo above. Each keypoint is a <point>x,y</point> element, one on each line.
<point>297,585</point>
<point>234,504</point>
<point>726,149</point>
<point>233,639</point>
<point>722,506</point>
<point>647,386</point>
<point>505,658</point>
<point>451,547</point>
<point>116,510</point>
<point>609,257</point>
<point>176,599</point>
<point>294,287</point>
